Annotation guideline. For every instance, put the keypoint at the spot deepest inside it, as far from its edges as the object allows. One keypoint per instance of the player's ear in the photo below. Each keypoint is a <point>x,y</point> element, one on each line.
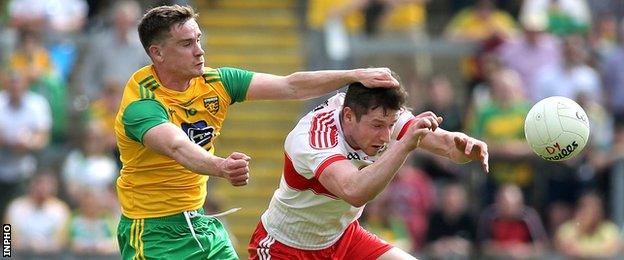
<point>348,114</point>
<point>156,52</point>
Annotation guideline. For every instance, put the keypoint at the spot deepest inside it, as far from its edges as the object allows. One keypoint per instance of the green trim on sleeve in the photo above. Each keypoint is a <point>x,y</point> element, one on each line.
<point>236,82</point>
<point>141,115</point>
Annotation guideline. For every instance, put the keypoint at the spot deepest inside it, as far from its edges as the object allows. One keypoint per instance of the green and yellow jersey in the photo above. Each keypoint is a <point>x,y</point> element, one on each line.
<point>154,185</point>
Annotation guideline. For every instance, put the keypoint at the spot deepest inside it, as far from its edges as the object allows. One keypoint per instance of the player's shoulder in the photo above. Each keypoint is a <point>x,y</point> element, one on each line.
<point>318,130</point>
<point>142,75</point>
<point>211,75</point>
<point>141,85</point>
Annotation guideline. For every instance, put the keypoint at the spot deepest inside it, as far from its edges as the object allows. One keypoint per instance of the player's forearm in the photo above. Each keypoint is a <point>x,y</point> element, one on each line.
<point>440,142</point>
<point>169,140</point>
<point>195,158</point>
<point>371,180</point>
<point>305,85</point>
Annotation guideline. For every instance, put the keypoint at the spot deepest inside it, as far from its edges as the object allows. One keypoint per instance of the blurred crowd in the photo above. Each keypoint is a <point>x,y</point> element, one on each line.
<point>64,63</point>
<point>520,52</point>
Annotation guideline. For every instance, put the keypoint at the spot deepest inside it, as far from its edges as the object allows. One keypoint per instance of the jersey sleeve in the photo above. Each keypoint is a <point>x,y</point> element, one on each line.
<point>406,119</point>
<point>141,115</point>
<point>310,162</point>
<point>236,82</point>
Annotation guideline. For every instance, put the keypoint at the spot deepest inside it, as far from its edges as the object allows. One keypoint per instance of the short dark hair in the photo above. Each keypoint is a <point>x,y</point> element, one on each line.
<point>362,99</point>
<point>157,22</point>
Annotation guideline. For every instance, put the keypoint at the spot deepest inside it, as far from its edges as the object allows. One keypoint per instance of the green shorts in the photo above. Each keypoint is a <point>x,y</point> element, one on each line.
<point>170,238</point>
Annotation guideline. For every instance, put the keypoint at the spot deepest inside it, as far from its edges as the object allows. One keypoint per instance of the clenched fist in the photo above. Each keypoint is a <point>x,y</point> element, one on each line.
<point>235,168</point>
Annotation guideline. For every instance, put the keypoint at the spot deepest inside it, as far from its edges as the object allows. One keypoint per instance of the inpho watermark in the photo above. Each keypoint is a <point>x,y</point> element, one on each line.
<point>6,240</point>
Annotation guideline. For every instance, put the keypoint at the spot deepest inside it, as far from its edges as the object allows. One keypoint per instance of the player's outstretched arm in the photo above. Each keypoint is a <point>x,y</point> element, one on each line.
<point>310,84</point>
<point>171,141</point>
<point>357,187</point>
<point>457,146</point>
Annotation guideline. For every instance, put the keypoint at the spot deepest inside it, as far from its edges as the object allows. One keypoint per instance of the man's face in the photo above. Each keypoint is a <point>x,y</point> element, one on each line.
<point>372,132</point>
<point>16,87</point>
<point>182,52</point>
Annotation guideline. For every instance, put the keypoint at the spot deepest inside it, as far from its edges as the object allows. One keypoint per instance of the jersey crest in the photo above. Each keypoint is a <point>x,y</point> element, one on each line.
<point>212,104</point>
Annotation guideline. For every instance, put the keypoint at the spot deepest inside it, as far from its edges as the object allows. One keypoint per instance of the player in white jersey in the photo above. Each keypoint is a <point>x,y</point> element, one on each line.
<point>339,157</point>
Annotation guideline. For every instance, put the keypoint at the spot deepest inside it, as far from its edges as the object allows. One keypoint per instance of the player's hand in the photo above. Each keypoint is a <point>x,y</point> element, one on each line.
<point>424,124</point>
<point>429,114</point>
<point>235,168</point>
<point>473,149</point>
<point>376,77</point>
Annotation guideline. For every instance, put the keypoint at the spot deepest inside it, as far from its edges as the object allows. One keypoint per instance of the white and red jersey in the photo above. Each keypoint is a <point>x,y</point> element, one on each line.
<point>302,213</point>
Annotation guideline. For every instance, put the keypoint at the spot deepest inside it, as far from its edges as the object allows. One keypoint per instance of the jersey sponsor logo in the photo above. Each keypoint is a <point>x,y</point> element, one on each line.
<point>212,104</point>
<point>199,132</point>
<point>353,156</point>
<point>323,131</point>
<point>190,111</point>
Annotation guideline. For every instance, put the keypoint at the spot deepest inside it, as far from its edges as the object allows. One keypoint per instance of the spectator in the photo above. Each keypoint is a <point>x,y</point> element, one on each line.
<point>484,27</point>
<point>319,13</point>
<point>103,112</point>
<point>66,19</point>
<point>570,77</point>
<point>90,166</point>
<point>530,52</point>
<point>27,15</point>
<point>410,197</point>
<point>404,19</point>
<point>24,131</point>
<point>39,219</point>
<point>603,36</point>
<point>389,227</point>
<point>479,23</point>
<point>564,16</point>
<point>613,71</point>
<point>588,235</point>
<point>442,101</point>
<point>500,122</point>
<point>31,58</point>
<point>451,228</point>
<point>510,229</point>
<point>558,212</point>
<point>398,20</point>
<point>67,16</point>
<point>594,163</point>
<point>58,15</point>
<point>113,54</point>
<point>34,61</point>
<point>92,228</point>
<point>58,21</point>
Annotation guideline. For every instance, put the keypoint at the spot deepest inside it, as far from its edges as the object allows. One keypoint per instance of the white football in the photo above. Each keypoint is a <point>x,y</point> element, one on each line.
<point>556,128</point>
